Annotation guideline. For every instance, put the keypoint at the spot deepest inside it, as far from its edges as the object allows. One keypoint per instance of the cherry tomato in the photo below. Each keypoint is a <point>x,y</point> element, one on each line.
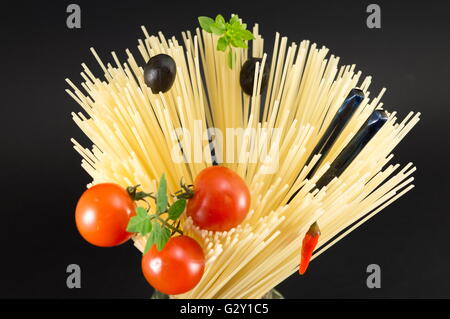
<point>221,199</point>
<point>177,268</point>
<point>102,214</point>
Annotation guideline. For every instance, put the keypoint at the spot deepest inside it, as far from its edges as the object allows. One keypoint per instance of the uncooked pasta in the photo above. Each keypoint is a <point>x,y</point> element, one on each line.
<point>137,135</point>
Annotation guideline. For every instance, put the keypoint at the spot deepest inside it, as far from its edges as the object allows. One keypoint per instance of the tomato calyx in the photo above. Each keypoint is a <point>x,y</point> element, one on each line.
<point>137,196</point>
<point>186,191</point>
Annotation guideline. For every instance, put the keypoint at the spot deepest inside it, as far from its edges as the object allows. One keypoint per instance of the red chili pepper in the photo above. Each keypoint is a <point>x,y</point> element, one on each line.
<point>309,244</point>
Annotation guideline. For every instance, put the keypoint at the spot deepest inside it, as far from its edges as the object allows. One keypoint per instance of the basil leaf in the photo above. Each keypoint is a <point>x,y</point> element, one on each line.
<point>234,19</point>
<point>222,44</point>
<point>246,35</point>
<point>205,23</point>
<point>217,29</point>
<point>220,19</point>
<point>238,43</point>
<point>234,34</point>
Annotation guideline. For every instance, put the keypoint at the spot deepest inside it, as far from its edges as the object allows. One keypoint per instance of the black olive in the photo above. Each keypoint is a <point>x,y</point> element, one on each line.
<point>159,73</point>
<point>247,75</point>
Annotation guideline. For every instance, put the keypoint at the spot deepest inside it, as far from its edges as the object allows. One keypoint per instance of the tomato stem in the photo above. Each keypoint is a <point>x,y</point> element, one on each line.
<point>177,227</point>
<point>185,193</point>
<point>167,224</point>
<point>148,205</point>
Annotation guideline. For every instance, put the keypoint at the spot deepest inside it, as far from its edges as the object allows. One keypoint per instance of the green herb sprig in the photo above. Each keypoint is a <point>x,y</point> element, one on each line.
<point>158,229</point>
<point>233,34</point>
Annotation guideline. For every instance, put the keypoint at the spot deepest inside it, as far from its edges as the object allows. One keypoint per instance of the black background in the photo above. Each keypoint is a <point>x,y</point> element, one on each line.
<point>41,177</point>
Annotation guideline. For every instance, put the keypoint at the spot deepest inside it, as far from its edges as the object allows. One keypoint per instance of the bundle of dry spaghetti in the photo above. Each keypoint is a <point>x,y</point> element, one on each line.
<point>134,133</point>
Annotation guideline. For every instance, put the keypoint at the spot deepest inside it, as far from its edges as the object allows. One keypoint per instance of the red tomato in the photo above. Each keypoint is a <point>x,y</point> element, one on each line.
<point>102,214</point>
<point>177,268</point>
<point>221,199</point>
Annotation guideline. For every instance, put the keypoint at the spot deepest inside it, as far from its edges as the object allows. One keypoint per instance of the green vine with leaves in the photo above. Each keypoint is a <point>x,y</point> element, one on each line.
<point>158,229</point>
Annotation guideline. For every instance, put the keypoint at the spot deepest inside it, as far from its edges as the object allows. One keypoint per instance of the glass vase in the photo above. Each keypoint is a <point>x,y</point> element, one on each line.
<point>272,294</point>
